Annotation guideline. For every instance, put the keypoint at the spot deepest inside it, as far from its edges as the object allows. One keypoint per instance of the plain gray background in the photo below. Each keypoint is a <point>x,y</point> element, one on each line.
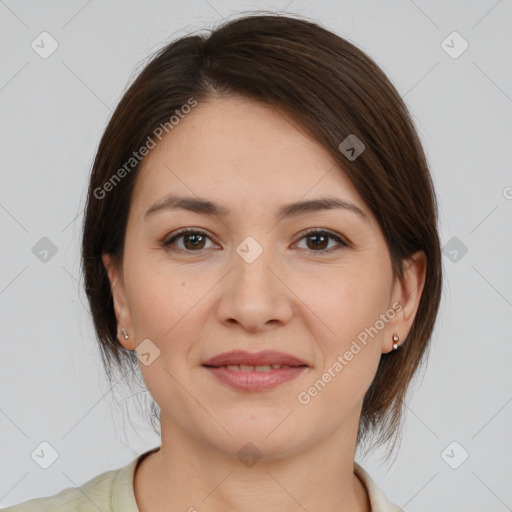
<point>53,112</point>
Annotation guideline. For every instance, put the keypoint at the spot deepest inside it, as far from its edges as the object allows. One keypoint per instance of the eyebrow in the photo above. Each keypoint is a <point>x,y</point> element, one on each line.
<point>206,207</point>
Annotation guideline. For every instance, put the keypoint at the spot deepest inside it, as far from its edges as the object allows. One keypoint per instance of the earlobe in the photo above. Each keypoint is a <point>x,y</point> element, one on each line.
<point>120,302</point>
<point>408,294</point>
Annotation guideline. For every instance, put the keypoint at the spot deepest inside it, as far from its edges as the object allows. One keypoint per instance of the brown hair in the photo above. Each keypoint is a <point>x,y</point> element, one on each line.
<point>332,90</point>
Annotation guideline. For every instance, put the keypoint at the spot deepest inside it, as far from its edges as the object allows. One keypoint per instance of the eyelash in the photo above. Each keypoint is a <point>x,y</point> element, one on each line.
<point>188,231</point>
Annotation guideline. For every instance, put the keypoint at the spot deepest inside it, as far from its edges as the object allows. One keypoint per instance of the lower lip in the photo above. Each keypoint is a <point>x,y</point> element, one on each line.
<point>255,381</point>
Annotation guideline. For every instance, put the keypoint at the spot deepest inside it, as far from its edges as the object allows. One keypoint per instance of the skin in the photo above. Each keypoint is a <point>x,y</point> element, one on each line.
<point>193,305</point>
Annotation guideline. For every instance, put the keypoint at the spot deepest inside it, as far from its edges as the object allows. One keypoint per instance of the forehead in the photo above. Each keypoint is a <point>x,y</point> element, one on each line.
<point>232,146</point>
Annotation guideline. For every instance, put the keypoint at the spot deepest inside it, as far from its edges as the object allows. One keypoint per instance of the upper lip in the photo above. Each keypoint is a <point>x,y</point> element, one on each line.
<point>266,357</point>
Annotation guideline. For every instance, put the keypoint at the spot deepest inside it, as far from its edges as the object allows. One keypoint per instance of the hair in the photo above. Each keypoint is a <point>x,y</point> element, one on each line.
<point>331,89</point>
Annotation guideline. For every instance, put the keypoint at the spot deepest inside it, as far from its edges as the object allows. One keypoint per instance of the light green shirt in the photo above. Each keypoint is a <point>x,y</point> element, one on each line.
<point>112,491</point>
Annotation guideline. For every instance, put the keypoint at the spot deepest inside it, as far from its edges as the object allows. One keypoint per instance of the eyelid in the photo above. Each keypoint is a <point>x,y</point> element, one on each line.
<point>186,231</point>
<point>340,239</point>
<point>341,242</point>
<point>336,236</point>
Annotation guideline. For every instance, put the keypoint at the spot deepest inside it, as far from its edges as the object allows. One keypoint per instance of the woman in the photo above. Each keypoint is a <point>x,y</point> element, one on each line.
<point>260,238</point>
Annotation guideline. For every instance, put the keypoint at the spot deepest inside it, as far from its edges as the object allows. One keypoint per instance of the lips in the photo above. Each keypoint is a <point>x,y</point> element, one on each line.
<point>244,360</point>
<point>255,372</point>
<point>257,368</point>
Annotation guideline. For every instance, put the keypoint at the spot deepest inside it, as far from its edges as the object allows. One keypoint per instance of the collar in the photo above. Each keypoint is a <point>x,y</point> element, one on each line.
<point>123,496</point>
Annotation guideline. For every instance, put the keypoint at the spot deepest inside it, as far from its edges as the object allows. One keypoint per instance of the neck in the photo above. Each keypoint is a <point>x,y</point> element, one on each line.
<point>187,475</point>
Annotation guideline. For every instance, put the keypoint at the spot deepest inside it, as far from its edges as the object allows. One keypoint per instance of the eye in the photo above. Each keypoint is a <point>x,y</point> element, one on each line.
<point>193,240</point>
<point>320,240</point>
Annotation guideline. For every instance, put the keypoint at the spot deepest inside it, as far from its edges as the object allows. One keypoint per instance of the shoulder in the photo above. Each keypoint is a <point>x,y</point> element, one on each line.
<point>91,496</point>
<point>378,499</point>
<point>111,491</point>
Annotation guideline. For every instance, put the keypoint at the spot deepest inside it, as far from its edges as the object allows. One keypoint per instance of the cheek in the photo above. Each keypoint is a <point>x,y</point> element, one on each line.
<point>165,308</point>
<point>350,349</point>
<point>348,302</point>
<point>162,306</point>
<point>347,307</point>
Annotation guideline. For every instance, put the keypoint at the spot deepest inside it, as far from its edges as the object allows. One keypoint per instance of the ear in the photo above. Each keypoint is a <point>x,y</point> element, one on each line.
<point>115,276</point>
<point>408,296</point>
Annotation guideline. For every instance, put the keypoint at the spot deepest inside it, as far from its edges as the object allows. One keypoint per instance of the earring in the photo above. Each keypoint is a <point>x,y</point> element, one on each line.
<point>395,341</point>
<point>123,332</point>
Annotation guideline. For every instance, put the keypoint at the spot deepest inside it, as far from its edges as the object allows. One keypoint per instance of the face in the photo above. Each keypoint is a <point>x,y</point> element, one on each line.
<point>314,283</point>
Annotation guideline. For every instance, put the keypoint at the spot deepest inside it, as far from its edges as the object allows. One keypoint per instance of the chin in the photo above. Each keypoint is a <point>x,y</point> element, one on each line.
<point>267,435</point>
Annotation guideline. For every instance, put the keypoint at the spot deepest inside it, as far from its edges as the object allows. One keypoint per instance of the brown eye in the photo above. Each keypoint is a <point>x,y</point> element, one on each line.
<point>318,240</point>
<point>193,240</point>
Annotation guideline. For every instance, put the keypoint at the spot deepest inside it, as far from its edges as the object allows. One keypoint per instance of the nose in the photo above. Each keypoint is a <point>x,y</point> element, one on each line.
<point>254,294</point>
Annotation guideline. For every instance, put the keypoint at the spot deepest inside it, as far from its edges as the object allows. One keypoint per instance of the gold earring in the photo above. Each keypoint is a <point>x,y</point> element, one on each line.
<point>395,341</point>
<point>123,332</point>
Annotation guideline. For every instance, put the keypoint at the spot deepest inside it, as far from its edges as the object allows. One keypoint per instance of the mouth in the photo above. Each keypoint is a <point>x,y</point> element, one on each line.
<point>266,358</point>
<point>255,371</point>
<point>250,368</point>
